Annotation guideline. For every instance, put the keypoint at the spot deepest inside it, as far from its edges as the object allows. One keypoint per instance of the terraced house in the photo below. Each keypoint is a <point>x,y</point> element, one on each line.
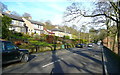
<point>17,24</point>
<point>29,26</point>
<point>38,27</point>
<point>60,33</point>
<point>23,25</point>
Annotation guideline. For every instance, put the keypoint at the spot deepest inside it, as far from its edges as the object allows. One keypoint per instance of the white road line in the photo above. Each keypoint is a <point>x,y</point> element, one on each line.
<point>51,63</point>
<point>47,64</point>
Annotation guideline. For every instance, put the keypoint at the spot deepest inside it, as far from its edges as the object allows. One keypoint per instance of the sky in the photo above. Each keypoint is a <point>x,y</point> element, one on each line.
<point>52,10</point>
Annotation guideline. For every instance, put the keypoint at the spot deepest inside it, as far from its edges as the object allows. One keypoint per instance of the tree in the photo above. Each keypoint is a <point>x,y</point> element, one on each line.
<point>74,26</point>
<point>114,15</point>
<point>93,35</point>
<point>3,7</point>
<point>15,13</point>
<point>66,37</point>
<point>102,34</point>
<point>48,25</point>
<point>27,15</point>
<point>6,22</point>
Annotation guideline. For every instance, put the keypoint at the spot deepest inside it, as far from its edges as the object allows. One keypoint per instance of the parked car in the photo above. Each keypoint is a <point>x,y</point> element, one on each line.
<point>79,45</point>
<point>11,53</point>
<point>90,45</point>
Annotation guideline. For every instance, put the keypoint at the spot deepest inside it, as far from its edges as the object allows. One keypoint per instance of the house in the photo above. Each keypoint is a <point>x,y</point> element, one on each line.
<point>48,32</point>
<point>61,33</point>
<point>28,24</point>
<point>23,25</point>
<point>58,32</point>
<point>17,24</point>
<point>34,26</point>
<point>68,34</point>
<point>38,27</point>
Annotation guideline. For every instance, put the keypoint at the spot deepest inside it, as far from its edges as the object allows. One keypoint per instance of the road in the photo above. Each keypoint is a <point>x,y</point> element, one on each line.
<point>73,60</point>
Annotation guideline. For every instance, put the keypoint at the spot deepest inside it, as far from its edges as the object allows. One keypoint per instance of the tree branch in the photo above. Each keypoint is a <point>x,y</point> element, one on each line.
<point>73,18</point>
<point>100,15</point>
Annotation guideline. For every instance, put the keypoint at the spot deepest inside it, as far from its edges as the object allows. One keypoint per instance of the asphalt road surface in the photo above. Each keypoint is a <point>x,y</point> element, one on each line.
<point>73,60</point>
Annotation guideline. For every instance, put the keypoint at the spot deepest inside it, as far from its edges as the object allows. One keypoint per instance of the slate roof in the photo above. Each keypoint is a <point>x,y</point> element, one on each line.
<point>55,29</point>
<point>48,31</point>
<point>36,22</point>
<point>13,17</point>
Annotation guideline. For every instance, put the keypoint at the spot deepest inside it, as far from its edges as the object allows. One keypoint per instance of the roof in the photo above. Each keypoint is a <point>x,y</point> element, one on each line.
<point>55,29</point>
<point>37,29</point>
<point>48,31</point>
<point>13,17</point>
<point>36,22</point>
<point>68,32</point>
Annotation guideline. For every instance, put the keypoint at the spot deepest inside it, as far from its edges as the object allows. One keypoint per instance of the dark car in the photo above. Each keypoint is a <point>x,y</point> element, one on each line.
<point>11,53</point>
<point>79,45</point>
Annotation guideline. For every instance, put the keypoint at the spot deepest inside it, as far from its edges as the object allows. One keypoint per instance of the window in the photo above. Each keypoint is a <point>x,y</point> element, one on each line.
<point>19,23</point>
<point>2,46</point>
<point>38,26</point>
<point>13,21</point>
<point>35,32</point>
<point>41,27</point>
<point>9,46</point>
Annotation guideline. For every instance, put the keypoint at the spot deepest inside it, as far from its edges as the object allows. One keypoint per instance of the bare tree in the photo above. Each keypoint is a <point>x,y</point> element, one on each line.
<point>110,11</point>
<point>26,15</point>
<point>15,13</point>
<point>3,7</point>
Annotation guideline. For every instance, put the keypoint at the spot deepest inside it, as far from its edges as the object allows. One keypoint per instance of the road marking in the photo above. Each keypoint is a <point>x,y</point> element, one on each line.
<point>51,63</point>
<point>47,64</point>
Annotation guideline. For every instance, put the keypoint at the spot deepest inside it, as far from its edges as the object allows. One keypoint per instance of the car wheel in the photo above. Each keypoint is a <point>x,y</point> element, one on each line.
<point>25,58</point>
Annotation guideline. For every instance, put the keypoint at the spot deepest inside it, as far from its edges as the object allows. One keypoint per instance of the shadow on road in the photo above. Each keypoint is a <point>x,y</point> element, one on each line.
<point>57,67</point>
<point>77,67</point>
<point>31,57</point>
<point>85,55</point>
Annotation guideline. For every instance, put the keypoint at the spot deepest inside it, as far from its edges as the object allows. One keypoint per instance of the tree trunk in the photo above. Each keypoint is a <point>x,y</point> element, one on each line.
<point>118,26</point>
<point>113,47</point>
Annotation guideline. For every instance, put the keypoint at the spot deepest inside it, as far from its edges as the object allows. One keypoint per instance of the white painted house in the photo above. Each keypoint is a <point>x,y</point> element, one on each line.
<point>17,24</point>
<point>23,25</point>
<point>38,27</point>
<point>61,33</point>
<point>58,32</point>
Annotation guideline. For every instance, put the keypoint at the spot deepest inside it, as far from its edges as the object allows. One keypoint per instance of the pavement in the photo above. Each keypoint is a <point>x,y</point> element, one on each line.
<point>73,60</point>
<point>112,62</point>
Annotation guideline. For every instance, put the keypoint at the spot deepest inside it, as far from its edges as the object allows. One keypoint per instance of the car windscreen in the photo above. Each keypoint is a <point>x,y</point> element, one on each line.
<point>9,46</point>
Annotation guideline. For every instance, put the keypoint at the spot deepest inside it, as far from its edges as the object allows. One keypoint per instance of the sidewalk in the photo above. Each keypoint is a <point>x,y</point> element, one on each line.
<point>112,62</point>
